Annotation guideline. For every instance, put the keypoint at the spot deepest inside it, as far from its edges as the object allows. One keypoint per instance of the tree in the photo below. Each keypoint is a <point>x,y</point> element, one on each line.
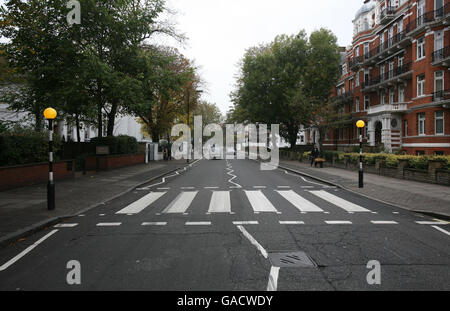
<point>210,113</point>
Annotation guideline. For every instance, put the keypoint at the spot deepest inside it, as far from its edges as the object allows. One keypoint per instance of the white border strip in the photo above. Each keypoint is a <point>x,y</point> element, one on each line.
<point>442,230</point>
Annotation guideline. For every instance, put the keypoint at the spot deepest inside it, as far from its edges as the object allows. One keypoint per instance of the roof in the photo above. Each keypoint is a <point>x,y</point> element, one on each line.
<point>367,6</point>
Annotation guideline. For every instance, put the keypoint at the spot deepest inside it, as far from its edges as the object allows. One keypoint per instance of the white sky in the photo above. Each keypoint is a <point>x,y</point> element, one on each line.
<point>219,32</point>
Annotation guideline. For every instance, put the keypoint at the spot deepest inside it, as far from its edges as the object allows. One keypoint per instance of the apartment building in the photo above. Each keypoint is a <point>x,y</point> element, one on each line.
<point>395,76</point>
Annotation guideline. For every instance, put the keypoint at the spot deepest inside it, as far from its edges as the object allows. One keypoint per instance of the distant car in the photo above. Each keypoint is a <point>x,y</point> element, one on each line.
<point>215,153</point>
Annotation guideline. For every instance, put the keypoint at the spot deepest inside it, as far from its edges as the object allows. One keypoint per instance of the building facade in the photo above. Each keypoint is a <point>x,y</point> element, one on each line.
<point>396,77</point>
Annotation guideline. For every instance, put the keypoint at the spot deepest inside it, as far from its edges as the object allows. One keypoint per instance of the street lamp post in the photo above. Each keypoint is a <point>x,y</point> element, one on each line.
<point>361,124</point>
<point>50,114</point>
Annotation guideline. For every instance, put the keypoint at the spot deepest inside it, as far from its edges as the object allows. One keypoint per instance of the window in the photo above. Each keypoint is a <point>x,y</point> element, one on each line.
<point>421,121</point>
<point>406,128</point>
<point>382,95</point>
<point>357,79</point>
<point>391,96</point>
<point>438,85</point>
<point>421,48</point>
<point>382,42</point>
<point>382,72</point>
<point>366,50</point>
<point>401,61</point>
<point>401,94</point>
<point>439,122</point>
<point>438,45</point>
<point>366,102</point>
<point>420,152</point>
<point>420,12</point>
<point>400,26</point>
<point>439,8</point>
<point>357,51</point>
<point>439,153</point>
<point>357,104</point>
<point>366,75</point>
<point>391,70</point>
<point>421,85</point>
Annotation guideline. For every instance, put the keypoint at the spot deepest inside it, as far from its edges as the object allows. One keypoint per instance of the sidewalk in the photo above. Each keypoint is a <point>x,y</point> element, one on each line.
<point>24,210</point>
<point>414,196</point>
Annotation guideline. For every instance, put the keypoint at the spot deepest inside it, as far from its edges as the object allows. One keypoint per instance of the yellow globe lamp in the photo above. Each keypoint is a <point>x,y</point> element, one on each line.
<point>360,124</point>
<point>50,113</point>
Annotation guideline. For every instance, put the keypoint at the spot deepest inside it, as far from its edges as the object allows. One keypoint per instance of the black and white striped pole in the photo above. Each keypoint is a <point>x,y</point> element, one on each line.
<point>50,114</point>
<point>361,124</point>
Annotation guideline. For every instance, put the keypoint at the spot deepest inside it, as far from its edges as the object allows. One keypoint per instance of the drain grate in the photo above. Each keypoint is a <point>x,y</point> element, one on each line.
<point>291,260</point>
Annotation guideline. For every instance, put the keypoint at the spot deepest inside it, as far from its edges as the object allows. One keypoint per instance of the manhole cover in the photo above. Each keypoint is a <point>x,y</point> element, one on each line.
<point>291,260</point>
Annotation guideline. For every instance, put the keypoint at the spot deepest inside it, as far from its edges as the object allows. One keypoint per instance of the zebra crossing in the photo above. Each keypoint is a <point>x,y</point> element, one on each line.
<point>220,202</point>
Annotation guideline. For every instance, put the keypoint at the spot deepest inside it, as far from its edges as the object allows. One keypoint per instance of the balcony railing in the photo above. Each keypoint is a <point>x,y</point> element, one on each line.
<point>394,107</point>
<point>441,54</point>
<point>387,13</point>
<point>428,17</point>
<point>398,71</point>
<point>441,95</point>
<point>355,61</point>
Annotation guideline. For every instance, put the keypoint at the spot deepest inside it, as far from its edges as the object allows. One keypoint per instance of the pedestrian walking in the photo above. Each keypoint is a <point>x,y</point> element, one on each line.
<point>314,155</point>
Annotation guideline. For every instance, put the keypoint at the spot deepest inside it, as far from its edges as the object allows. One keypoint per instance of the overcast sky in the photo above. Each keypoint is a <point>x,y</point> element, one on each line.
<point>219,32</point>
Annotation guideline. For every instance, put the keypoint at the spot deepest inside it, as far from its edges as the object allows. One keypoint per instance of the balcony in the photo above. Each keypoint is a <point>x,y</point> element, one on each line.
<point>389,78</point>
<point>427,19</point>
<point>355,62</point>
<point>388,108</point>
<point>441,96</point>
<point>392,45</point>
<point>387,14</point>
<point>441,57</point>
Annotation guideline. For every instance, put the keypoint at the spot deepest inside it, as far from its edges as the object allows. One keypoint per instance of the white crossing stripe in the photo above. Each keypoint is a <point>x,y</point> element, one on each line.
<point>181,203</point>
<point>109,224</point>
<point>65,225</point>
<point>344,204</point>
<point>154,223</point>
<point>220,202</point>
<point>198,223</point>
<point>431,223</point>
<point>376,222</point>
<point>299,202</point>
<point>242,223</point>
<point>292,222</point>
<point>139,205</point>
<point>259,202</point>
<point>339,222</point>
<point>442,230</point>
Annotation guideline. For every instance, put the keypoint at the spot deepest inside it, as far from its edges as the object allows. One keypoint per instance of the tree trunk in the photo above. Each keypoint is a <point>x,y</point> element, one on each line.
<point>99,108</point>
<point>77,123</point>
<point>112,119</point>
<point>293,134</point>
<point>155,134</point>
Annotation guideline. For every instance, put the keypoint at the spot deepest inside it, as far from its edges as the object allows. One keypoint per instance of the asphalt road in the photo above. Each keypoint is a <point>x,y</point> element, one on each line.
<point>221,225</point>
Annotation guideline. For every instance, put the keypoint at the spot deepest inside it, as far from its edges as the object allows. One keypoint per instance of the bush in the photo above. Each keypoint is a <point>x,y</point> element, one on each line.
<point>118,145</point>
<point>25,147</point>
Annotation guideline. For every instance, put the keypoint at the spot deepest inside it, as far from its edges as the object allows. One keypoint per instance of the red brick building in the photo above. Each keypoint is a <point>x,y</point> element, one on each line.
<point>396,77</point>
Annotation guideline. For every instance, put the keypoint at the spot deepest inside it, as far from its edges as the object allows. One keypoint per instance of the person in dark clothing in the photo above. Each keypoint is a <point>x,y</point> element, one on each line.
<point>314,155</point>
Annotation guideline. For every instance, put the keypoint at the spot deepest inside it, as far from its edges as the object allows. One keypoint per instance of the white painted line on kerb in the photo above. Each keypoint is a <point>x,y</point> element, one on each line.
<point>139,205</point>
<point>259,202</point>
<point>344,204</point>
<point>109,224</point>
<point>273,279</point>
<point>338,222</point>
<point>442,230</point>
<point>154,223</point>
<point>27,250</point>
<point>431,223</point>
<point>198,223</point>
<point>242,223</point>
<point>292,222</point>
<point>299,202</point>
<point>220,202</point>
<point>65,225</point>
<point>381,222</point>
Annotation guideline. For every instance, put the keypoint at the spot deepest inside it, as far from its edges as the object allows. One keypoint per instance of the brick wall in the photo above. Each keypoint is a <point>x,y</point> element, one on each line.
<point>25,175</point>
<point>113,161</point>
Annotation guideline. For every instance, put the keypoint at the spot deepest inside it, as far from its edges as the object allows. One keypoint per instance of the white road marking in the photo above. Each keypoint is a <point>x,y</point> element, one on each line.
<point>284,187</point>
<point>154,223</point>
<point>299,202</point>
<point>273,279</point>
<point>344,204</point>
<point>259,187</point>
<point>27,250</point>
<point>198,223</point>
<point>141,204</point>
<point>243,223</point>
<point>81,215</point>
<point>163,188</point>
<point>109,224</point>
<point>253,241</point>
<point>187,188</point>
<point>259,202</point>
<point>307,187</point>
<point>338,222</point>
<point>378,222</point>
<point>211,188</point>
<point>292,222</point>
<point>442,230</point>
<point>431,223</point>
<point>181,203</point>
<point>220,202</point>
<point>65,225</point>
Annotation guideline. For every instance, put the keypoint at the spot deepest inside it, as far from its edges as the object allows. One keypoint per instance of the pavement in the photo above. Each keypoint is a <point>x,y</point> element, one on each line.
<point>415,196</point>
<point>24,210</point>
<point>229,226</point>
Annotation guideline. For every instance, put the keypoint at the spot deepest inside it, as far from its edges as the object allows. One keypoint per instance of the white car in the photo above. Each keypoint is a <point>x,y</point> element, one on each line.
<point>215,153</point>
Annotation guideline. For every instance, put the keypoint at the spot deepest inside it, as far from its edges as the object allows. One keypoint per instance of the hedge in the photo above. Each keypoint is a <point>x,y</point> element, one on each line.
<point>118,145</point>
<point>26,147</point>
<point>391,160</point>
